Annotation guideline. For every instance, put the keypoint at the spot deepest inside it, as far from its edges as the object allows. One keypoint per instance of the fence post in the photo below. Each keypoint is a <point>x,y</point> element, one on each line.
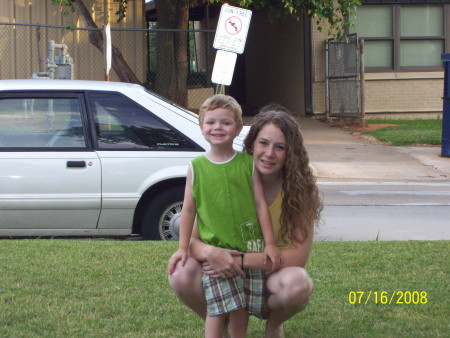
<point>445,146</point>
<point>327,99</point>
<point>38,45</point>
<point>362,82</point>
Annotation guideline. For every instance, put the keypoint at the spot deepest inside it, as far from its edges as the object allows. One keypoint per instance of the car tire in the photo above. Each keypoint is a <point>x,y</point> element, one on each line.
<point>162,216</point>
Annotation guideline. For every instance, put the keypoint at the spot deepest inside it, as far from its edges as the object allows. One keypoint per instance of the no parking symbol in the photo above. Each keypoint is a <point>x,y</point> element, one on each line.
<point>232,29</point>
<point>233,25</point>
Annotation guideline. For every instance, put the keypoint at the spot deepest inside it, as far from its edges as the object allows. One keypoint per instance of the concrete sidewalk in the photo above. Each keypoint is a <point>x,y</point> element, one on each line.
<point>338,156</point>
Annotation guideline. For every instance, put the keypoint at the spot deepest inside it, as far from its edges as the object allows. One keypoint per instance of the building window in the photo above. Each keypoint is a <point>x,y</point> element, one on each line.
<point>403,37</point>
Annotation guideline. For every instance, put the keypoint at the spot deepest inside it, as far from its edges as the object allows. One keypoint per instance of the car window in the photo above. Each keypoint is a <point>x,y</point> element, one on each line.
<point>122,124</point>
<point>41,123</point>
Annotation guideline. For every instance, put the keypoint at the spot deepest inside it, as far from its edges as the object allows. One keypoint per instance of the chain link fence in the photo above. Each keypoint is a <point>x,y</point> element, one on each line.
<point>343,78</point>
<point>24,51</point>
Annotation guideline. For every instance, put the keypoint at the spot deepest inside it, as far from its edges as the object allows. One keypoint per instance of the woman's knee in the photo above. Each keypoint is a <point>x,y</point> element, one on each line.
<point>184,278</point>
<point>292,286</point>
<point>299,283</point>
<point>303,279</point>
<point>186,282</point>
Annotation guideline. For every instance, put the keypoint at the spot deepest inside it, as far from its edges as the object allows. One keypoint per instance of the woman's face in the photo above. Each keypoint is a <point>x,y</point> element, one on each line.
<point>269,150</point>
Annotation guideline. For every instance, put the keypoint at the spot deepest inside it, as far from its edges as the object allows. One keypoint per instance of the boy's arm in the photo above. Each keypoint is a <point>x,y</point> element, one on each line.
<point>187,214</point>
<point>186,224</point>
<point>262,211</point>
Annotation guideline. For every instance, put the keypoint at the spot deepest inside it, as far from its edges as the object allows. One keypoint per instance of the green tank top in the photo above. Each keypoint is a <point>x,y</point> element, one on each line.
<point>226,214</point>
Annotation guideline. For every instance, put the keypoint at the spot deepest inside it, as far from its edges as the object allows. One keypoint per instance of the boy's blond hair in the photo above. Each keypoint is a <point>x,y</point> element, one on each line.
<point>221,101</point>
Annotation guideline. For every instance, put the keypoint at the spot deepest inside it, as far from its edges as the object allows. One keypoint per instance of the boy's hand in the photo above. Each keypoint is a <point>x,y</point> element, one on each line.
<point>223,263</point>
<point>179,255</point>
<point>271,251</point>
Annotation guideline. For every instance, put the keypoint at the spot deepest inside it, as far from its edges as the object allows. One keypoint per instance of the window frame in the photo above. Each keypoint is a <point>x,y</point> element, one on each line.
<point>396,38</point>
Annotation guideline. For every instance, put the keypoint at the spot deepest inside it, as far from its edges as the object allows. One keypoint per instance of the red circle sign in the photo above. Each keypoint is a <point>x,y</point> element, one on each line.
<point>233,25</point>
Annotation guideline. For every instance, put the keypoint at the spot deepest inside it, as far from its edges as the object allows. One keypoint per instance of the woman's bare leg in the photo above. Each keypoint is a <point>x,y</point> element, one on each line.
<point>289,290</point>
<point>187,283</point>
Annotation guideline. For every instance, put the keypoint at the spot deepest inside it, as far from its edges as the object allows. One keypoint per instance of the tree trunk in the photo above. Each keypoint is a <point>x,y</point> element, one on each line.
<point>165,70</point>
<point>118,63</point>
<point>181,52</point>
<point>171,48</point>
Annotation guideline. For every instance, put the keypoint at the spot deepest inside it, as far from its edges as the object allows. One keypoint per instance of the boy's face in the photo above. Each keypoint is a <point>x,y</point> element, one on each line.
<point>219,127</point>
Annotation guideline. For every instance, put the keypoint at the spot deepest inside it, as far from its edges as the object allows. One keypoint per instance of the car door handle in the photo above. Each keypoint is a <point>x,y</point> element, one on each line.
<point>76,164</point>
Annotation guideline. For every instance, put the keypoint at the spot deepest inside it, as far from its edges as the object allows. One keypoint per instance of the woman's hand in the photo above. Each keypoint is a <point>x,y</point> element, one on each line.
<point>223,263</point>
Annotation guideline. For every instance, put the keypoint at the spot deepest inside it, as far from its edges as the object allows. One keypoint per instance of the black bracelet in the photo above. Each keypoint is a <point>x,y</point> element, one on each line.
<point>242,260</point>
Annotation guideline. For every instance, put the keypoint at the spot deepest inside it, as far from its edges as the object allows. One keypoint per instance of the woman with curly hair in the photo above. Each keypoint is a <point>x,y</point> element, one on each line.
<point>291,192</point>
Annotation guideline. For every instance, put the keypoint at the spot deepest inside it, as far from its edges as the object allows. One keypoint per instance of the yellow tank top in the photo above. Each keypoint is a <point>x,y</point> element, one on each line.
<point>275,215</point>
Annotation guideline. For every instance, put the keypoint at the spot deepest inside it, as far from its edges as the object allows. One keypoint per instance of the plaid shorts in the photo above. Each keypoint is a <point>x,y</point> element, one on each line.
<point>224,295</point>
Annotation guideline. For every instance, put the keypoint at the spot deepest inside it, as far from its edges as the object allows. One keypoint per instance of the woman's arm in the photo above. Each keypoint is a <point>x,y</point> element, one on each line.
<point>262,211</point>
<point>296,255</point>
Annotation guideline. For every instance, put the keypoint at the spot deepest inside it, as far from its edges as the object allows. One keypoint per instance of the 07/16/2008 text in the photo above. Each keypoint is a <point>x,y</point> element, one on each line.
<point>387,297</point>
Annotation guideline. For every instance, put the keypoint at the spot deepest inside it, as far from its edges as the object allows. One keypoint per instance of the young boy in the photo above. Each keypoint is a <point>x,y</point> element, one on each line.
<point>226,196</point>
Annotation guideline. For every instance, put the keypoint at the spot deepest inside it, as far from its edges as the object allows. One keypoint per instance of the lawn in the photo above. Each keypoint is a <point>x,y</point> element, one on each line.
<point>87,288</point>
<point>407,132</point>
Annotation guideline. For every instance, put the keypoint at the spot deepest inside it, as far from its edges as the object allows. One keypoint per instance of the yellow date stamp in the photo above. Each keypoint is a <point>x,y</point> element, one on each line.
<point>387,297</point>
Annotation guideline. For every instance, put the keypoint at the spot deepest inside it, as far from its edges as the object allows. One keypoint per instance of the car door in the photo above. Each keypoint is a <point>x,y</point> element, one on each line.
<point>50,178</point>
<point>137,150</point>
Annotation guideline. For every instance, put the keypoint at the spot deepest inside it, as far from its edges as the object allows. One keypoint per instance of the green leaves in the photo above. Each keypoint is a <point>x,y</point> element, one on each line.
<point>121,13</point>
<point>62,2</point>
<point>68,3</point>
<point>329,15</point>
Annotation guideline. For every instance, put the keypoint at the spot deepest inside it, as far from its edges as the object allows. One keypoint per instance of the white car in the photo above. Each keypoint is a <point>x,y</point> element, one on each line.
<point>86,158</point>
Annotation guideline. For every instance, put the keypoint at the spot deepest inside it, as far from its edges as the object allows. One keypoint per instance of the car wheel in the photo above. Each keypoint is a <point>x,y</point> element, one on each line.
<point>162,216</point>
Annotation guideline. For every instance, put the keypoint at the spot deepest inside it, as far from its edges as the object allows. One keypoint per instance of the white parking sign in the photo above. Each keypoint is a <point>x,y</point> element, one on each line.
<point>223,67</point>
<point>232,29</point>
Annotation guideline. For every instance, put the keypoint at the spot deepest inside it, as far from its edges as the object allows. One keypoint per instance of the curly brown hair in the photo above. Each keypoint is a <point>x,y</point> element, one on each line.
<point>301,205</point>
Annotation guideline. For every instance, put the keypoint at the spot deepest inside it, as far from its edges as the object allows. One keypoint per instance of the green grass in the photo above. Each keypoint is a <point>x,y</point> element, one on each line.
<point>408,132</point>
<point>84,288</point>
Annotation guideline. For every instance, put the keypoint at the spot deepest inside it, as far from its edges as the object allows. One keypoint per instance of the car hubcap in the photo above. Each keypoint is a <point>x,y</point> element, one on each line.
<point>169,224</point>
